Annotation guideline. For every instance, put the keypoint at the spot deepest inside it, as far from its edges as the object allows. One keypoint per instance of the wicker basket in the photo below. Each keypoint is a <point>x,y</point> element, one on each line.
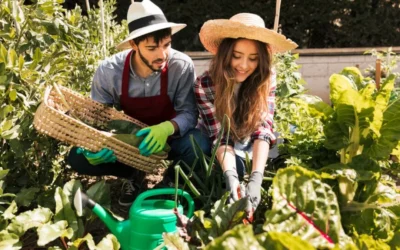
<point>51,119</point>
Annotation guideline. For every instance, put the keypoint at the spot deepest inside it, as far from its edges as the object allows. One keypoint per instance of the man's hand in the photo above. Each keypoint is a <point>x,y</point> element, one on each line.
<point>232,185</point>
<point>95,158</point>
<point>156,137</point>
<point>253,191</point>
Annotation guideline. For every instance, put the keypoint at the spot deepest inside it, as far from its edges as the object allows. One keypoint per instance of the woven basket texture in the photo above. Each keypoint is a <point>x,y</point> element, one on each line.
<point>54,119</point>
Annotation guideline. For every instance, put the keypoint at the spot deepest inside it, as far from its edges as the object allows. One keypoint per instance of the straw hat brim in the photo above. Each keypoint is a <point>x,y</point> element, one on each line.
<point>175,27</point>
<point>214,31</point>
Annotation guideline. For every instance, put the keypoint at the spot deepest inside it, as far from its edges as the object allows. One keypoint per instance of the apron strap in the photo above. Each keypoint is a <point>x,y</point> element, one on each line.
<point>125,76</point>
<point>164,80</point>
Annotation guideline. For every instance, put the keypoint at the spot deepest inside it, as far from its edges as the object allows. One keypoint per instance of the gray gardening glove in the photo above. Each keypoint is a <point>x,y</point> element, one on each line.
<point>253,191</point>
<point>232,185</point>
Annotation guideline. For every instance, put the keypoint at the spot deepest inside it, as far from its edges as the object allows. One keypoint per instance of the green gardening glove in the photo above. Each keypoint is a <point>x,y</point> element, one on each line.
<point>95,158</point>
<point>156,137</point>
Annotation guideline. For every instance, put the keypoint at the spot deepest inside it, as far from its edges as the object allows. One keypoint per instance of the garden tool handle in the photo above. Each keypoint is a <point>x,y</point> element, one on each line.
<point>162,191</point>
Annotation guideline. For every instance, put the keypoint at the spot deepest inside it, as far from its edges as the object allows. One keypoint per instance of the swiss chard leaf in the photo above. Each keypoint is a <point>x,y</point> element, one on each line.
<point>306,207</point>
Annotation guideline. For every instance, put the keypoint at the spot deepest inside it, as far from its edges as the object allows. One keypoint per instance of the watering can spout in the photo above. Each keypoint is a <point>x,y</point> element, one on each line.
<point>119,228</point>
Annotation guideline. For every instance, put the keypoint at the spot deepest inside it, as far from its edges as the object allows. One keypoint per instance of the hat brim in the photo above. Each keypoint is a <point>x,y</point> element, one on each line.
<point>214,31</point>
<point>175,27</point>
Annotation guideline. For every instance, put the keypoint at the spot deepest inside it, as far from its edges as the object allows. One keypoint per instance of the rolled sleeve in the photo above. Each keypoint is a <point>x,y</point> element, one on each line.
<point>184,101</point>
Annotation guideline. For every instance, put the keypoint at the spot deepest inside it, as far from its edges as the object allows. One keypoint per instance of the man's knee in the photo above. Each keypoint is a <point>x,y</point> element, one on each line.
<point>202,140</point>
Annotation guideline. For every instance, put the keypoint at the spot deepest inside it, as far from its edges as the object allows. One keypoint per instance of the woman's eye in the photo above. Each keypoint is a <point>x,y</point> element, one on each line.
<point>253,59</point>
<point>236,57</point>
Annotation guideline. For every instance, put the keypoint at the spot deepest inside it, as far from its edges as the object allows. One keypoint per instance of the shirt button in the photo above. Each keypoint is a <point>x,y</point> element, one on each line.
<point>147,84</point>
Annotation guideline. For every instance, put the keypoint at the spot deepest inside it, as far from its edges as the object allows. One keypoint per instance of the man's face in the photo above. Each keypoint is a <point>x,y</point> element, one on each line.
<point>153,55</point>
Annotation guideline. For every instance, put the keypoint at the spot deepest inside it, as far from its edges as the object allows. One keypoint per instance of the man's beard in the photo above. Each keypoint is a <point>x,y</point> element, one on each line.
<point>148,64</point>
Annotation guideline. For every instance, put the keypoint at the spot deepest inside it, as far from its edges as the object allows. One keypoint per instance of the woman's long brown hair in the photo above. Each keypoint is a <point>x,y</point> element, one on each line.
<point>253,94</point>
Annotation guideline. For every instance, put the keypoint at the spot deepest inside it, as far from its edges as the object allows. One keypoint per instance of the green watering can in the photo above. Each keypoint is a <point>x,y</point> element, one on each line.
<point>148,218</point>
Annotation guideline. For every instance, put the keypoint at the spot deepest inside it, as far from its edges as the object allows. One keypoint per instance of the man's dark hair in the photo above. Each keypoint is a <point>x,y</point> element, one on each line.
<point>157,35</point>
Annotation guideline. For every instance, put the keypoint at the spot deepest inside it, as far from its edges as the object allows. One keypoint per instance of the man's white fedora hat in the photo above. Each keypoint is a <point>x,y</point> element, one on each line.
<point>145,17</point>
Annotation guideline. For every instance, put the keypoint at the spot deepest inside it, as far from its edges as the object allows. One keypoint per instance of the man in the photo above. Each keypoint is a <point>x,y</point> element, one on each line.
<point>153,83</point>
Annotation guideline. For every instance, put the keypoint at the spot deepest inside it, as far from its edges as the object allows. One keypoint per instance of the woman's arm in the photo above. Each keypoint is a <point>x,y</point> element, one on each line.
<point>226,160</point>
<point>260,155</point>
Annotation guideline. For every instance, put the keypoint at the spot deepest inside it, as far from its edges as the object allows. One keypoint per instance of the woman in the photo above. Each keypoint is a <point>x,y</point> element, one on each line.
<point>240,84</point>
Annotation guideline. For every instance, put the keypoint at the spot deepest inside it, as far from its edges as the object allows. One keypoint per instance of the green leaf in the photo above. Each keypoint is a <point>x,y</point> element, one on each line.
<point>9,213</point>
<point>21,62</point>
<point>395,242</point>
<point>389,133</point>
<point>338,84</point>
<point>109,242</point>
<point>3,54</point>
<point>4,111</point>
<point>174,241</point>
<point>354,74</point>
<point>9,241</point>
<point>49,232</point>
<point>3,173</point>
<point>368,242</point>
<point>377,216</point>
<point>64,212</point>
<point>306,207</point>
<point>381,102</point>
<point>29,219</point>
<point>225,217</point>
<point>71,187</point>
<point>12,57</point>
<point>37,56</point>
<point>26,196</point>
<point>283,241</point>
<point>100,193</point>
<point>78,242</point>
<point>3,79</point>
<point>240,237</point>
<point>12,95</point>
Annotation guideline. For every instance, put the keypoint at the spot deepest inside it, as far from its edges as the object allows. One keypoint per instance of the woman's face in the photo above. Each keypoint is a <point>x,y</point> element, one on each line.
<point>244,59</point>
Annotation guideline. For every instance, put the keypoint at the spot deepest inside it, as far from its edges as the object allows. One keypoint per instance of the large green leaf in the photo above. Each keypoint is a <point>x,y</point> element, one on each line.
<point>365,242</point>
<point>354,74</point>
<point>26,196</point>
<point>283,241</point>
<point>225,217</point>
<point>174,241</point>
<point>306,207</point>
<point>49,232</point>
<point>337,85</point>
<point>109,242</point>
<point>389,133</point>
<point>240,237</point>
<point>29,219</point>
<point>64,212</point>
<point>381,103</point>
<point>378,216</point>
<point>9,241</point>
<point>100,193</point>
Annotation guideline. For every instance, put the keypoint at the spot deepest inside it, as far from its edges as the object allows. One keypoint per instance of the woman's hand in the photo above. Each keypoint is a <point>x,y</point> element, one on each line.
<point>253,190</point>
<point>232,185</point>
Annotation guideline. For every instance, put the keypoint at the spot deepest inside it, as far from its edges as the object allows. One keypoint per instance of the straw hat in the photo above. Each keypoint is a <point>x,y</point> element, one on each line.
<point>243,25</point>
<point>145,17</point>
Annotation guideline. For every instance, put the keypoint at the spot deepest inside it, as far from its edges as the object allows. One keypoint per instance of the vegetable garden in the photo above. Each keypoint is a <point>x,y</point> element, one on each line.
<point>333,185</point>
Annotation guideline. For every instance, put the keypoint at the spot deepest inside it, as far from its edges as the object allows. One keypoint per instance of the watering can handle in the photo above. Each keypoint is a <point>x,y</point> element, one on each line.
<point>163,191</point>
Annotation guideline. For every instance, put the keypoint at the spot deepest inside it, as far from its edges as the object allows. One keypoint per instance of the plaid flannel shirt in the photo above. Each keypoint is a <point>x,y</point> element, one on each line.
<point>205,94</point>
